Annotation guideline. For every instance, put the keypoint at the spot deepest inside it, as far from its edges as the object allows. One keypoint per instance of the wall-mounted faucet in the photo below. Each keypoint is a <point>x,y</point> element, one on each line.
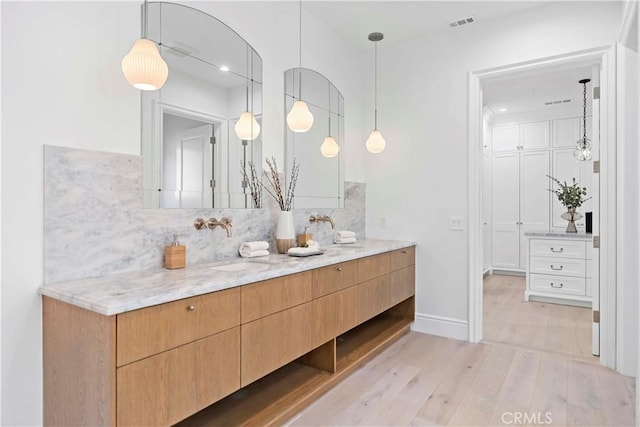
<point>212,223</point>
<point>322,218</point>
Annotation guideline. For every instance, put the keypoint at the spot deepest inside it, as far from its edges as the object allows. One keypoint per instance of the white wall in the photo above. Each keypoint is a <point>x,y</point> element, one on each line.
<point>62,85</point>
<point>423,115</point>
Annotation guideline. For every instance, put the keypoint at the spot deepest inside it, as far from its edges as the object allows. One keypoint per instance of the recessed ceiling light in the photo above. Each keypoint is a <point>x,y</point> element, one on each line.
<point>502,110</point>
<point>224,68</point>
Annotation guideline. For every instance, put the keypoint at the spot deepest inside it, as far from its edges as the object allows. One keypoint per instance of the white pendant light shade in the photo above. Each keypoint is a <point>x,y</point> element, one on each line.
<point>329,147</point>
<point>300,118</point>
<point>375,142</point>
<point>143,66</point>
<point>247,127</point>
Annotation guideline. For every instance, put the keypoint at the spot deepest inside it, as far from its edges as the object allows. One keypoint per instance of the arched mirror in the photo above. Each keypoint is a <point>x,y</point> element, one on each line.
<point>194,151</point>
<point>321,180</point>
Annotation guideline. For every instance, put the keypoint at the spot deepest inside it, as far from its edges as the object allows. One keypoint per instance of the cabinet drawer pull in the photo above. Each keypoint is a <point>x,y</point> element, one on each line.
<point>403,252</point>
<point>557,269</point>
<point>557,252</point>
<point>553,285</point>
<point>191,307</point>
<point>339,268</point>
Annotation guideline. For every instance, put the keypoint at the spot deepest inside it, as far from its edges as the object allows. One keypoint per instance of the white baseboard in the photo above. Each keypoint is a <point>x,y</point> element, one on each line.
<point>441,326</point>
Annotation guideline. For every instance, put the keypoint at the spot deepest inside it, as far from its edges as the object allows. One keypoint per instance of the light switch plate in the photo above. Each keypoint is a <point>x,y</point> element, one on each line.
<point>456,223</point>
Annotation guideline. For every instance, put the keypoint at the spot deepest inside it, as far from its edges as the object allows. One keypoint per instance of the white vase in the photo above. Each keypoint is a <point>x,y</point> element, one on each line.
<point>285,232</point>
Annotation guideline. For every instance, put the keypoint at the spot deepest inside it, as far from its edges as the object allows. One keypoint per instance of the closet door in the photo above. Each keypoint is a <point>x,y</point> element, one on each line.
<point>566,132</point>
<point>534,196</point>
<point>486,213</point>
<point>505,138</point>
<point>534,135</point>
<point>505,211</point>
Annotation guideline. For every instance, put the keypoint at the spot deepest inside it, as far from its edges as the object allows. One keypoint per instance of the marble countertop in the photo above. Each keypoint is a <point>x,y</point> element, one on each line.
<point>559,234</point>
<point>124,292</point>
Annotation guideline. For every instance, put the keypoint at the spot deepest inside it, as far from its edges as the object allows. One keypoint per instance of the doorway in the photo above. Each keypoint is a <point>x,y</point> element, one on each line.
<point>601,59</point>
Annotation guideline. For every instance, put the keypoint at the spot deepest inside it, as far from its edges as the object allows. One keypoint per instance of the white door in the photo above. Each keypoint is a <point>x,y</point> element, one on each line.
<point>196,167</point>
<point>534,196</point>
<point>534,135</point>
<point>486,213</point>
<point>595,254</point>
<point>505,138</point>
<point>505,211</point>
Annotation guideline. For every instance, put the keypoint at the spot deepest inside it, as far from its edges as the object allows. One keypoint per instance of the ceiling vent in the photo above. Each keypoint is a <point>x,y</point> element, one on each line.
<point>463,21</point>
<point>559,101</point>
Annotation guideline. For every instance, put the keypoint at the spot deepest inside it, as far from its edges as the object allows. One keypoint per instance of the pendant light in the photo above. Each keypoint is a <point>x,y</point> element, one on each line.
<point>143,67</point>
<point>583,146</point>
<point>247,127</point>
<point>375,142</point>
<point>300,118</point>
<point>329,147</point>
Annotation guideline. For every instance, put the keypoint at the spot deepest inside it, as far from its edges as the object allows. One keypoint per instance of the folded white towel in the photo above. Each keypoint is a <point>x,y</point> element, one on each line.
<point>303,251</point>
<point>344,241</point>
<point>344,234</point>
<point>313,244</point>
<point>253,254</point>
<point>247,247</point>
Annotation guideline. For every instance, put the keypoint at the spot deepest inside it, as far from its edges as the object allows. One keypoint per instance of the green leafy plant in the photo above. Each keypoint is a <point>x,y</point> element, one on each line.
<point>570,195</point>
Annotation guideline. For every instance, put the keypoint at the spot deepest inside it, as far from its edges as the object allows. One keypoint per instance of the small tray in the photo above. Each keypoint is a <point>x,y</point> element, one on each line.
<point>318,252</point>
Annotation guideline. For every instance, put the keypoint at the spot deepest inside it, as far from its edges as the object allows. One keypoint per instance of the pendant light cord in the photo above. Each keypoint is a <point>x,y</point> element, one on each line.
<point>375,86</point>
<point>584,115</point>
<point>145,21</point>
<point>300,50</point>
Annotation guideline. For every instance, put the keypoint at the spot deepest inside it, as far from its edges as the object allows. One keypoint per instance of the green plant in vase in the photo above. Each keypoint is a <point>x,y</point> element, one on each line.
<point>572,196</point>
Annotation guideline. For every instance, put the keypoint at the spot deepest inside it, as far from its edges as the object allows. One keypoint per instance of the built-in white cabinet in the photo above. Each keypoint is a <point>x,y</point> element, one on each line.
<point>534,135</point>
<point>565,133</point>
<point>520,202</point>
<point>522,136</point>
<point>559,269</point>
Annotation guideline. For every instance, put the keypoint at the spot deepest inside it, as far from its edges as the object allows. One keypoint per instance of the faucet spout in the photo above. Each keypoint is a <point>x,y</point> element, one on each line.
<point>224,223</point>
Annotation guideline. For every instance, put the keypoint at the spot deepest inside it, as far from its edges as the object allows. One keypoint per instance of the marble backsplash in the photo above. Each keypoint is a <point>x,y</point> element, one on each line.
<point>95,224</point>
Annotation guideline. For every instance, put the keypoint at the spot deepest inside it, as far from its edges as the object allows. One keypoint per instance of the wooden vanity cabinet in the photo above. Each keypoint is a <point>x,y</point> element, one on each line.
<point>159,365</point>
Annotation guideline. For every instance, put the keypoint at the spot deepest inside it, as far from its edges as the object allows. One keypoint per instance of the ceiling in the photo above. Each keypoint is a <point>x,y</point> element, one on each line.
<point>532,92</point>
<point>401,20</point>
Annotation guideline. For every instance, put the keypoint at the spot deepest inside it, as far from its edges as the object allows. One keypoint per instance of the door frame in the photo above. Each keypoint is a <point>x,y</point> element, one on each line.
<point>606,58</point>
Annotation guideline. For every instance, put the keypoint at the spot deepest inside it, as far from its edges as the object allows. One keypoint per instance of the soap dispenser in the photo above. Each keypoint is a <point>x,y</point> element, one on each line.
<point>175,255</point>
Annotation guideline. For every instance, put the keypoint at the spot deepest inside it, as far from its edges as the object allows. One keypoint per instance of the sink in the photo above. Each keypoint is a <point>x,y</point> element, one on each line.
<point>239,266</point>
<point>345,246</point>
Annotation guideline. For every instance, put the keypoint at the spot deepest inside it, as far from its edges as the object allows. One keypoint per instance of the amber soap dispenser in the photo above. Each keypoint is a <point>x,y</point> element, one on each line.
<point>175,255</point>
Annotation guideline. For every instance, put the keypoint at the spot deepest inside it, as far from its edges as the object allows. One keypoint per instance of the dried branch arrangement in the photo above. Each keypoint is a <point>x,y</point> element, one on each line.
<point>251,180</point>
<point>283,198</point>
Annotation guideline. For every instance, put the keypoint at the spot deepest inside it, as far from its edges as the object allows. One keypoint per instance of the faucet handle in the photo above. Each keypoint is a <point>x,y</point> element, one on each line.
<point>212,223</point>
<point>226,220</point>
<point>200,224</point>
<point>312,219</point>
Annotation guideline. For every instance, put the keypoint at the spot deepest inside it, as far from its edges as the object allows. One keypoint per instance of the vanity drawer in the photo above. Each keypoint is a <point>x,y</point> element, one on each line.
<point>558,266</point>
<point>557,248</point>
<point>402,258</point>
<point>170,386</point>
<point>334,278</point>
<point>558,284</point>
<point>374,266</point>
<point>403,284</point>
<point>148,331</point>
<point>270,296</point>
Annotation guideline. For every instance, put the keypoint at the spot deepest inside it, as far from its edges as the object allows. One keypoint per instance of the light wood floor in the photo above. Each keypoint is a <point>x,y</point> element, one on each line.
<point>427,380</point>
<point>508,319</point>
<point>536,361</point>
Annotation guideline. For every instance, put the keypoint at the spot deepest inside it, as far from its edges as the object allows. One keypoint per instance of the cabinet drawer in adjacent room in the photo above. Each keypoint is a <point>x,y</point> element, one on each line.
<point>148,331</point>
<point>558,266</point>
<point>558,284</point>
<point>557,248</point>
